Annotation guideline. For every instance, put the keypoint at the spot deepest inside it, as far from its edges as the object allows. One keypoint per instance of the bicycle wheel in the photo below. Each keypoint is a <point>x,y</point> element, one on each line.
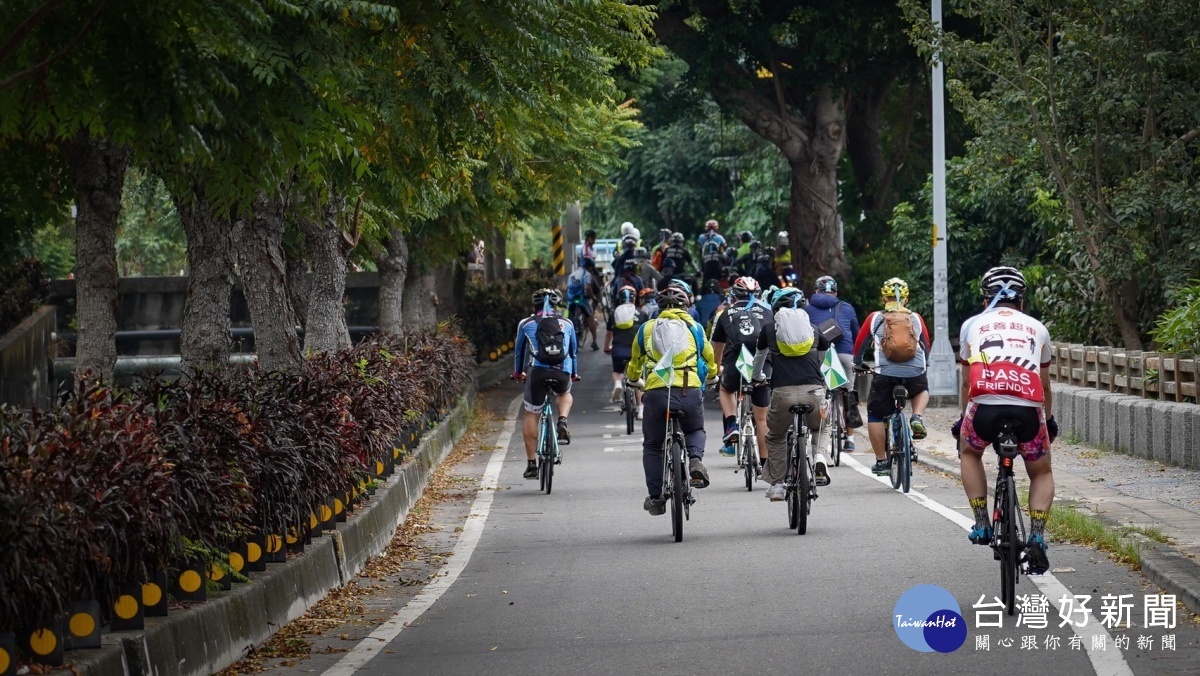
<point>630,409</point>
<point>1008,548</point>
<point>893,452</point>
<point>789,482</point>
<point>750,457</point>
<point>803,487</point>
<point>835,429</point>
<point>906,467</point>
<point>678,477</point>
<point>542,465</point>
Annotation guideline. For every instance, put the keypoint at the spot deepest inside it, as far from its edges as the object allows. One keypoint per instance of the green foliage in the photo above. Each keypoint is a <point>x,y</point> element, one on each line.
<point>150,239</point>
<point>1178,328</point>
<point>497,307</point>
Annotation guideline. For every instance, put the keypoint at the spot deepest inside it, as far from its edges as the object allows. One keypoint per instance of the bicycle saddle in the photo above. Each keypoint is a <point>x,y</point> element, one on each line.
<point>900,392</point>
<point>802,409</point>
<point>676,414</point>
<point>551,382</point>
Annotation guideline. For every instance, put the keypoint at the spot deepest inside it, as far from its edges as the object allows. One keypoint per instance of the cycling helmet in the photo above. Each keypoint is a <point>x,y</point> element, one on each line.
<point>627,229</point>
<point>769,251</point>
<point>626,294</point>
<point>539,297</point>
<point>826,284</point>
<point>589,263</point>
<point>680,284</point>
<point>746,236</point>
<point>677,238</point>
<point>745,287</point>
<point>639,252</point>
<point>664,234</point>
<point>673,296</point>
<point>781,239</point>
<point>1003,281</point>
<point>789,297</point>
<point>589,233</point>
<point>755,245</point>
<point>894,289</point>
<point>712,224</point>
<point>629,243</point>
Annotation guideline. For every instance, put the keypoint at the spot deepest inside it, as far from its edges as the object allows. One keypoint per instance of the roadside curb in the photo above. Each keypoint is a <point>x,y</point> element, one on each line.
<point>1162,564</point>
<point>208,637</point>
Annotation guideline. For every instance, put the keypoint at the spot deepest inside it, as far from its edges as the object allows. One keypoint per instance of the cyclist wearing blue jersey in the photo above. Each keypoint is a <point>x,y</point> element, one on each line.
<point>547,343</point>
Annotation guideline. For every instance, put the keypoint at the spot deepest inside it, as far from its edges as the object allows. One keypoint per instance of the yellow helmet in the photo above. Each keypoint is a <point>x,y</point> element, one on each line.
<point>894,289</point>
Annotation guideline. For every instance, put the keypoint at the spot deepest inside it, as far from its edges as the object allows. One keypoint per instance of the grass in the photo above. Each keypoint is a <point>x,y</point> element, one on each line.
<point>1075,526</point>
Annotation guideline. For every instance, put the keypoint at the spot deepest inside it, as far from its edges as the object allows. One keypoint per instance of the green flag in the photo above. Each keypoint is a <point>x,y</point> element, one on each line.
<point>665,368</point>
<point>832,371</point>
<point>745,364</point>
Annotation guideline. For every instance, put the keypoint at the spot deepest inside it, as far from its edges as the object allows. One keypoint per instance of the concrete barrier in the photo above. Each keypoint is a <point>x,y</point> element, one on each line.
<point>210,636</point>
<point>26,361</point>
<point>1164,431</point>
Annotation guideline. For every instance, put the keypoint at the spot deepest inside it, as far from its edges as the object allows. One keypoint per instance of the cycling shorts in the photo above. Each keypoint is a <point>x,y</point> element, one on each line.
<point>619,363</point>
<point>731,381</point>
<point>536,386</point>
<point>582,305</point>
<point>981,424</point>
<point>881,404</point>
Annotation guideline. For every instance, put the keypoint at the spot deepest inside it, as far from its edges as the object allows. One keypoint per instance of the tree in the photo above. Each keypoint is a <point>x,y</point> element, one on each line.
<point>1099,98</point>
<point>798,73</point>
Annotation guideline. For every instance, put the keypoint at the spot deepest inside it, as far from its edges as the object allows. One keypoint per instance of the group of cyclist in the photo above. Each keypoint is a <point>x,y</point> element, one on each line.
<point>659,344</point>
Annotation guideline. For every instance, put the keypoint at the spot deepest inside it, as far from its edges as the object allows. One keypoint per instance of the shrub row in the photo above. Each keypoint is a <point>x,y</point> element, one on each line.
<point>495,309</point>
<point>114,483</point>
<point>23,287</point>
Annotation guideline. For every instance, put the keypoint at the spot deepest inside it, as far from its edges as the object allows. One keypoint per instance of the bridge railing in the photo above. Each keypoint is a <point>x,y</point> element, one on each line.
<point>1151,375</point>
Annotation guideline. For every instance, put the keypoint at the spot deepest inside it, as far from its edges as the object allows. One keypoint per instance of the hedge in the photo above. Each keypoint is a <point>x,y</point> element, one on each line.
<point>118,483</point>
<point>496,307</point>
<point>23,287</point>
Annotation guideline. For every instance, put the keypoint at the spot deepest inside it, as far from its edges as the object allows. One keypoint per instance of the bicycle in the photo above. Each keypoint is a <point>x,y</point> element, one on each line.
<point>628,405</point>
<point>835,414</point>
<point>898,437</point>
<point>799,481</point>
<point>677,484</point>
<point>548,452</point>
<point>748,445</point>
<point>1008,526</point>
<point>577,316</point>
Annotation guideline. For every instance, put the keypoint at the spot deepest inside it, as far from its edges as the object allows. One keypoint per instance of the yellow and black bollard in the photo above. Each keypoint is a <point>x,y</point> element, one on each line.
<point>188,582</point>
<point>8,653</point>
<point>128,609</point>
<point>154,595</point>
<point>83,625</point>
<point>45,642</point>
<point>556,239</point>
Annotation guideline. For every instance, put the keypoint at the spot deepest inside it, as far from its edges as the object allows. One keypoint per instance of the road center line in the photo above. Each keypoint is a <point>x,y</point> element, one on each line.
<point>1106,663</point>
<point>472,531</point>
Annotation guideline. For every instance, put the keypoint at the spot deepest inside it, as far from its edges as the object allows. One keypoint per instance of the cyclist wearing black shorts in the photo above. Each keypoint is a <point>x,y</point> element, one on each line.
<point>623,325</point>
<point>547,355</point>
<point>739,326</point>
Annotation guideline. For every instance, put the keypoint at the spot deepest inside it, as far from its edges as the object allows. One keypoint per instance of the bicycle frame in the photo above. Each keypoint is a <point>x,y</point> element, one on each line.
<point>546,426</point>
<point>1008,525</point>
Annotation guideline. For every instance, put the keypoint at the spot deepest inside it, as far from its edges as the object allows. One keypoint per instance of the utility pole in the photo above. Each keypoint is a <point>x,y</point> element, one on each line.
<point>942,376</point>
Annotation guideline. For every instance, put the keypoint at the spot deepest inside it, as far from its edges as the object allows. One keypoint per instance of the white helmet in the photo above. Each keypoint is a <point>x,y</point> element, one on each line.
<point>627,229</point>
<point>782,238</point>
<point>636,234</point>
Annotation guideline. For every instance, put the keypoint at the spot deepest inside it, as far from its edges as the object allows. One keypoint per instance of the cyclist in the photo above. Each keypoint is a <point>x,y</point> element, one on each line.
<point>823,306</point>
<point>588,250</point>
<point>740,325</point>
<point>901,345</point>
<point>679,253</point>
<point>651,277</point>
<point>764,270</point>
<point>628,276</point>
<point>794,346</point>
<point>712,251</point>
<point>708,302</point>
<point>628,230</point>
<point>660,250</point>
<point>648,303</point>
<point>1004,357</point>
<point>552,355</point>
<point>583,296</point>
<point>627,248</point>
<point>623,325</point>
<point>745,237</point>
<point>674,332</point>
<point>746,262</point>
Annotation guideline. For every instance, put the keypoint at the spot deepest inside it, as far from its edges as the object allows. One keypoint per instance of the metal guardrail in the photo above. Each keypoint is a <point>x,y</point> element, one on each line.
<point>1152,375</point>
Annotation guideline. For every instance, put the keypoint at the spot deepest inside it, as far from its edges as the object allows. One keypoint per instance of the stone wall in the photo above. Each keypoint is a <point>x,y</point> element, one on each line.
<point>1164,431</point>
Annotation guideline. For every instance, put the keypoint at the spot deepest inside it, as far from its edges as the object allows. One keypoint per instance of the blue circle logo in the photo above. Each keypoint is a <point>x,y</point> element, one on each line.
<point>928,619</point>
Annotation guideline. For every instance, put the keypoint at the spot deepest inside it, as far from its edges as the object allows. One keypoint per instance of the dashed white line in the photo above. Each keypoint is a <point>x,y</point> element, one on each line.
<point>472,531</point>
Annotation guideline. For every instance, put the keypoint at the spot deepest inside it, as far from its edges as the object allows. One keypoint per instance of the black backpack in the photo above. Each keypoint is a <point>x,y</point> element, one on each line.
<point>551,343</point>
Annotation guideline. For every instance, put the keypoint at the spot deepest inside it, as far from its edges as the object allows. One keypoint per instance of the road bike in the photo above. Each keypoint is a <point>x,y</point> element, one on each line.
<point>835,417</point>
<point>548,452</point>
<point>628,405</point>
<point>677,484</point>
<point>799,480</point>
<point>1008,526</point>
<point>747,452</point>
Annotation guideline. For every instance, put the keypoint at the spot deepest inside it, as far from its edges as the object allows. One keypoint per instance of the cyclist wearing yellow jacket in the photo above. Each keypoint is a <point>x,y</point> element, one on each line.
<point>673,331</point>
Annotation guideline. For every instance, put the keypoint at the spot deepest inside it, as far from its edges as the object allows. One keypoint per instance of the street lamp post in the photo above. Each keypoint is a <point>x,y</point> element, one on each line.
<point>942,375</point>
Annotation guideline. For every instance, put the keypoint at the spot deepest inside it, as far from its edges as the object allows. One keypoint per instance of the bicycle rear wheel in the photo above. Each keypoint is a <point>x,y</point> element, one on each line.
<point>1008,548</point>
<point>750,458</point>
<point>630,409</point>
<point>789,481</point>
<point>678,477</point>
<point>893,454</point>
<point>905,460</point>
<point>803,489</point>
<point>835,429</point>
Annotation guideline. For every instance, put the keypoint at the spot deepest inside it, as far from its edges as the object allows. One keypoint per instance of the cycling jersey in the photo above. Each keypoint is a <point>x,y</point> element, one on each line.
<point>527,340</point>
<point>1004,350</point>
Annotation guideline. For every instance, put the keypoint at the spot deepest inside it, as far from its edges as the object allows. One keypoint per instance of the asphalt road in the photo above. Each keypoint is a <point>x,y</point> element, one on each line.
<point>583,581</point>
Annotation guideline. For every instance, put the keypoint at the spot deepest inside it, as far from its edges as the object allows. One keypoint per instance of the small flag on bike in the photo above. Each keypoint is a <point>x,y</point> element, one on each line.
<point>832,371</point>
<point>665,368</point>
<point>745,364</point>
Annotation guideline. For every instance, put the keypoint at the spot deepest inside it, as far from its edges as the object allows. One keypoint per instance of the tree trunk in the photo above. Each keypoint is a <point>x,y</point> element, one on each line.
<point>393,274</point>
<point>264,278</point>
<point>326,327</point>
<point>1126,303</point>
<point>499,248</point>
<point>204,339</point>
<point>98,178</point>
<point>299,283</point>
<point>813,212</point>
<point>420,299</point>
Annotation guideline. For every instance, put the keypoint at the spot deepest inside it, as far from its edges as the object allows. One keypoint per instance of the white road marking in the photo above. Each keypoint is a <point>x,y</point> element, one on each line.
<point>1105,662</point>
<point>472,531</point>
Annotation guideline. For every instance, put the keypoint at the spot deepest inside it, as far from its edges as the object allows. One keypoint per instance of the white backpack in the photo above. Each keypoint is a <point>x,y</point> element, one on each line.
<point>794,334</point>
<point>625,316</point>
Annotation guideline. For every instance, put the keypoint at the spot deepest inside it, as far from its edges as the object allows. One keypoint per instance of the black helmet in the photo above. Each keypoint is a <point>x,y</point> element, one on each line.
<point>673,296</point>
<point>589,263</point>
<point>589,233</point>
<point>746,236</point>
<point>1003,281</point>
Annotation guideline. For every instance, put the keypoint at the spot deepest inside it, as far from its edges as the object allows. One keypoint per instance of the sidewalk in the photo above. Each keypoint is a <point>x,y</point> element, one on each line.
<point>1120,489</point>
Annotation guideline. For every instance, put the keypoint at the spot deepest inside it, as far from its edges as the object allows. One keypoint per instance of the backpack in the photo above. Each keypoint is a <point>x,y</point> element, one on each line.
<point>794,335</point>
<point>551,342</point>
<point>670,332</point>
<point>899,342</point>
<point>625,316</point>
<point>575,284</point>
<point>712,251</point>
